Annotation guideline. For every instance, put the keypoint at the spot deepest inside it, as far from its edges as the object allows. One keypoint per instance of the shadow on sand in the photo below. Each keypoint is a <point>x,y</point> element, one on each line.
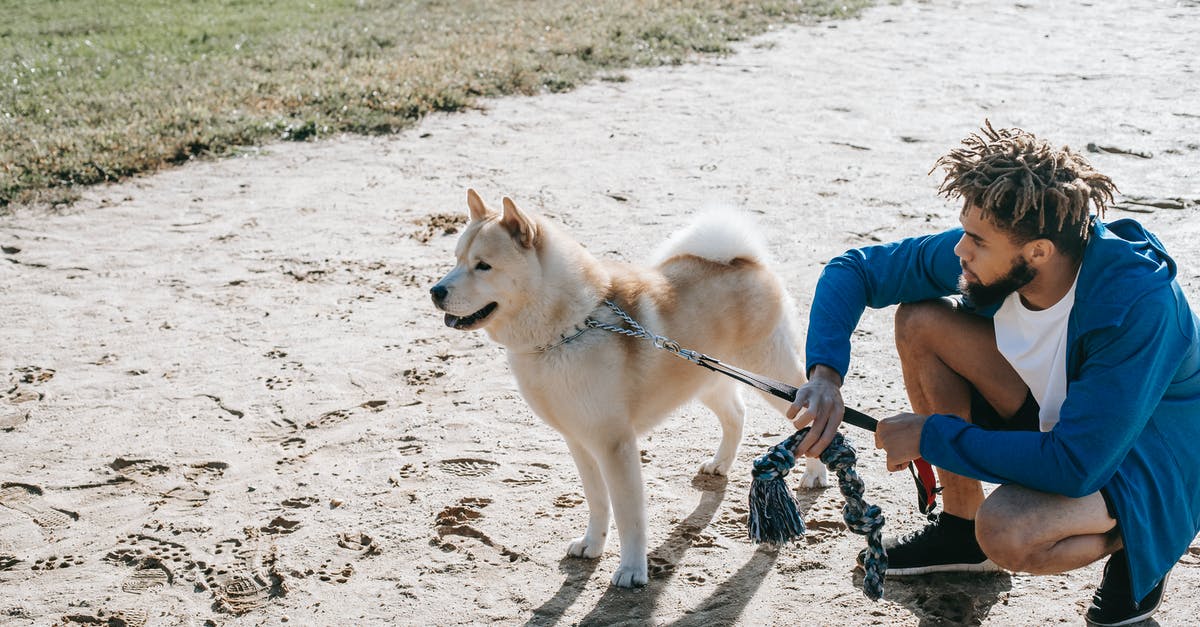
<point>636,607</point>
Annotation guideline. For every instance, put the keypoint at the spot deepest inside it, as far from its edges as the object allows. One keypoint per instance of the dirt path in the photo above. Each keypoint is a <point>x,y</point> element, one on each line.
<point>228,398</point>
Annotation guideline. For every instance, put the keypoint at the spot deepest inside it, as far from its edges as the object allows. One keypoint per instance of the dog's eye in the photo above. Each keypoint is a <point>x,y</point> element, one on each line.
<point>482,265</point>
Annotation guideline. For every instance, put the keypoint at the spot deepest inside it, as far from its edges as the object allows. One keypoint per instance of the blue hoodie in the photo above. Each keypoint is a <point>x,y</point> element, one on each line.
<point>1130,423</point>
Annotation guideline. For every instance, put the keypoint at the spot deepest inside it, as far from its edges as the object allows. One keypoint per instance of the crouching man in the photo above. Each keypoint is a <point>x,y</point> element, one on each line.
<point>1043,350</point>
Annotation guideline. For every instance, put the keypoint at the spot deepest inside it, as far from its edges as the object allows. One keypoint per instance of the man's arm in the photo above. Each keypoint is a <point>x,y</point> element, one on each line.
<point>913,269</point>
<point>909,270</point>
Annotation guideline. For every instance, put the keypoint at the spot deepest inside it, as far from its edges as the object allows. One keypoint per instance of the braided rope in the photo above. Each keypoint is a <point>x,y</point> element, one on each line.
<point>775,515</point>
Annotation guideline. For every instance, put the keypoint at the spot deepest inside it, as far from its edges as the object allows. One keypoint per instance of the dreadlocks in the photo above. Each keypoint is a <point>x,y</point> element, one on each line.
<point>1026,187</point>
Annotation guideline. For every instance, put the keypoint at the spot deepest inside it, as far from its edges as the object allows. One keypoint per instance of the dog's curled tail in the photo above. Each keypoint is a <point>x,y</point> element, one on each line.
<point>719,236</point>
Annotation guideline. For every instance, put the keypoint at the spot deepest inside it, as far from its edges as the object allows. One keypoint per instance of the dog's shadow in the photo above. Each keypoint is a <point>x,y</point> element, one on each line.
<point>619,605</point>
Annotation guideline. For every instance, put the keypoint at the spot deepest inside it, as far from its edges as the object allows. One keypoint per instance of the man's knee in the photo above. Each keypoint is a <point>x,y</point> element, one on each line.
<point>999,537</point>
<point>916,321</point>
<point>1003,534</point>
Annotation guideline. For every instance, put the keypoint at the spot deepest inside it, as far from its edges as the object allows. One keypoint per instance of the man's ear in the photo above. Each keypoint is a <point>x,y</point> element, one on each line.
<point>479,211</point>
<point>519,225</point>
<point>1039,251</point>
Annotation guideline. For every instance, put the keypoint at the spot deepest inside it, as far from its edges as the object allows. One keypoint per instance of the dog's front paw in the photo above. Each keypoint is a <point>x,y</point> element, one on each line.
<point>586,547</point>
<point>716,466</point>
<point>630,576</point>
<point>814,478</point>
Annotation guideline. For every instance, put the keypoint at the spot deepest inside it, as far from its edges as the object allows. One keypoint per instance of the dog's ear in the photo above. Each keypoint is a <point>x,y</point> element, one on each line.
<point>479,211</point>
<point>520,225</point>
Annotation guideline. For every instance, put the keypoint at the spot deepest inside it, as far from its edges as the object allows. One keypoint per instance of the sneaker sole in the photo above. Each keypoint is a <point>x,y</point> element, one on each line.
<point>986,566</point>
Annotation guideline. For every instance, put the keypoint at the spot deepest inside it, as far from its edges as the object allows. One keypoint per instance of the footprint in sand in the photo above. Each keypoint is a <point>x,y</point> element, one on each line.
<point>280,526</point>
<point>55,562</point>
<point>149,572</point>
<point>280,429</point>
<point>527,477</point>
<point>156,562</point>
<point>13,409</point>
<point>410,445</point>
<point>182,484</point>
<point>568,500</point>
<point>819,531</point>
<point>467,467</point>
<point>406,471</point>
<point>351,545</point>
<point>111,618</point>
<point>733,524</point>
<point>242,576</point>
<point>27,499</point>
<point>455,521</point>
<point>277,383</point>
<point>205,471</point>
<point>11,417</point>
<point>358,543</point>
<point>330,418</point>
<point>35,375</point>
<point>300,502</point>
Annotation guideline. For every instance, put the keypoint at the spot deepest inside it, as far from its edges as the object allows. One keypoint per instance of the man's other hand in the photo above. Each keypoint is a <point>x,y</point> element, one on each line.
<point>900,436</point>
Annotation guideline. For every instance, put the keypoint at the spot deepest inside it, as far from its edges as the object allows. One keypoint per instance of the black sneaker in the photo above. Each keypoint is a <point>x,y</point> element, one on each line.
<point>946,544</point>
<point>1113,604</point>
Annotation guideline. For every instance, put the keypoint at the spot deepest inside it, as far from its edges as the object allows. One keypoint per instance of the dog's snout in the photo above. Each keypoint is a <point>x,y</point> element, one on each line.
<point>439,293</point>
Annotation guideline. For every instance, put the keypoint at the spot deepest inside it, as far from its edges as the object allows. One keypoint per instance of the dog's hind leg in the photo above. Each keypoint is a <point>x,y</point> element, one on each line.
<point>725,400</point>
<point>591,544</point>
<point>620,461</point>
<point>781,362</point>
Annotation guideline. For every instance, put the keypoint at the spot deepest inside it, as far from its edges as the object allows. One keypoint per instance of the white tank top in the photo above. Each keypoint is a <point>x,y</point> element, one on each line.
<point>1035,343</point>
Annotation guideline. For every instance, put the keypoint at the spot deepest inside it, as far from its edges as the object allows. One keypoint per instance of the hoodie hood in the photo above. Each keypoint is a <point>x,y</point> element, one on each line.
<point>1122,262</point>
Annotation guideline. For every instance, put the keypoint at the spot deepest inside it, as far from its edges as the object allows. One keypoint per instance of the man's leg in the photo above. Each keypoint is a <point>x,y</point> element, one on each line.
<point>944,353</point>
<point>1030,531</point>
<point>1035,532</point>
<point>948,357</point>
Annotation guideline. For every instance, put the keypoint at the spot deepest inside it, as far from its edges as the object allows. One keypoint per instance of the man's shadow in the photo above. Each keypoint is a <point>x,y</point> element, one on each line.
<point>946,598</point>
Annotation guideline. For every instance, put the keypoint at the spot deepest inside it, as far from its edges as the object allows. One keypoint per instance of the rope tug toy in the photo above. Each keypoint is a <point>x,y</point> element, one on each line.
<point>775,515</point>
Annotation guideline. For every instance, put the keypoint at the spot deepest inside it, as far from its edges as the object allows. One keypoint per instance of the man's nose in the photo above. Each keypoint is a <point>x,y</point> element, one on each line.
<point>439,293</point>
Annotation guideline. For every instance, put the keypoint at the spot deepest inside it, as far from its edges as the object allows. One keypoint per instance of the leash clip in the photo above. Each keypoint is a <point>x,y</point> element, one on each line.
<point>672,346</point>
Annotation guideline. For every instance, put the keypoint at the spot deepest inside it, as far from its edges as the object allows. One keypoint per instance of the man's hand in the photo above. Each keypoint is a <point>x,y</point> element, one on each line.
<point>900,436</point>
<point>818,402</point>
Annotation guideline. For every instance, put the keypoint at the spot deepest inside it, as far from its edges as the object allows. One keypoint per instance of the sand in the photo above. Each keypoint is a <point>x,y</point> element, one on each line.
<point>227,399</point>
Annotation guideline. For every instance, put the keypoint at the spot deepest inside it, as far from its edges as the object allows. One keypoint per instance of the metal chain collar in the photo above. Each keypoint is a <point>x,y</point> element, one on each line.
<point>638,331</point>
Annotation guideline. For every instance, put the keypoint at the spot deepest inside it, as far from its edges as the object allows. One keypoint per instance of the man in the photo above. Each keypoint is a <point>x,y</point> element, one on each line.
<point>1066,369</point>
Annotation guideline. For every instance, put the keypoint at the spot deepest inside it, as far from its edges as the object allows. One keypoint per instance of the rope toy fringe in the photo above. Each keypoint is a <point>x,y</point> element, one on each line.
<point>775,515</point>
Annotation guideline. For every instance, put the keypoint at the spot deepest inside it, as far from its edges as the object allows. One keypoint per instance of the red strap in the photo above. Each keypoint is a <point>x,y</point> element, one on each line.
<point>926,481</point>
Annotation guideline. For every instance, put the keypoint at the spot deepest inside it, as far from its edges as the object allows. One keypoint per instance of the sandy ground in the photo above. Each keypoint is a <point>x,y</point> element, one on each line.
<point>227,399</point>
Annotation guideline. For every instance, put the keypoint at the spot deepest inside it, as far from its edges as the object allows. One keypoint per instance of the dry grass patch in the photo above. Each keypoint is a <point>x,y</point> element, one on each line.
<point>97,90</point>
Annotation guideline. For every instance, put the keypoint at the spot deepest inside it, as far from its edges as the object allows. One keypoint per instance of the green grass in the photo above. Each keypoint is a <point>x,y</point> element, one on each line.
<point>97,90</point>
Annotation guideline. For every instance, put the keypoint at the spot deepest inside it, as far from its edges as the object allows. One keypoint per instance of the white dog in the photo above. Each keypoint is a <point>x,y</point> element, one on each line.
<point>532,287</point>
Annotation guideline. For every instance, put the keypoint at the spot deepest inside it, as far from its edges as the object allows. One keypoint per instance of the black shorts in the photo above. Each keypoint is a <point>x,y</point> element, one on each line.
<point>1026,419</point>
<point>986,416</point>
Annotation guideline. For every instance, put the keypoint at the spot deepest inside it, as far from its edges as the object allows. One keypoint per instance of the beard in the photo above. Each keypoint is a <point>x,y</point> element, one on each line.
<point>988,294</point>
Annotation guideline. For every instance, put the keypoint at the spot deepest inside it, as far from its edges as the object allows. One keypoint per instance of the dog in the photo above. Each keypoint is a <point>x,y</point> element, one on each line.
<point>531,287</point>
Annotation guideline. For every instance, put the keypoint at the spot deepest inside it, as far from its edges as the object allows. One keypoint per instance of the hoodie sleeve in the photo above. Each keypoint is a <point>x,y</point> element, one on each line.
<point>909,270</point>
<point>1124,374</point>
